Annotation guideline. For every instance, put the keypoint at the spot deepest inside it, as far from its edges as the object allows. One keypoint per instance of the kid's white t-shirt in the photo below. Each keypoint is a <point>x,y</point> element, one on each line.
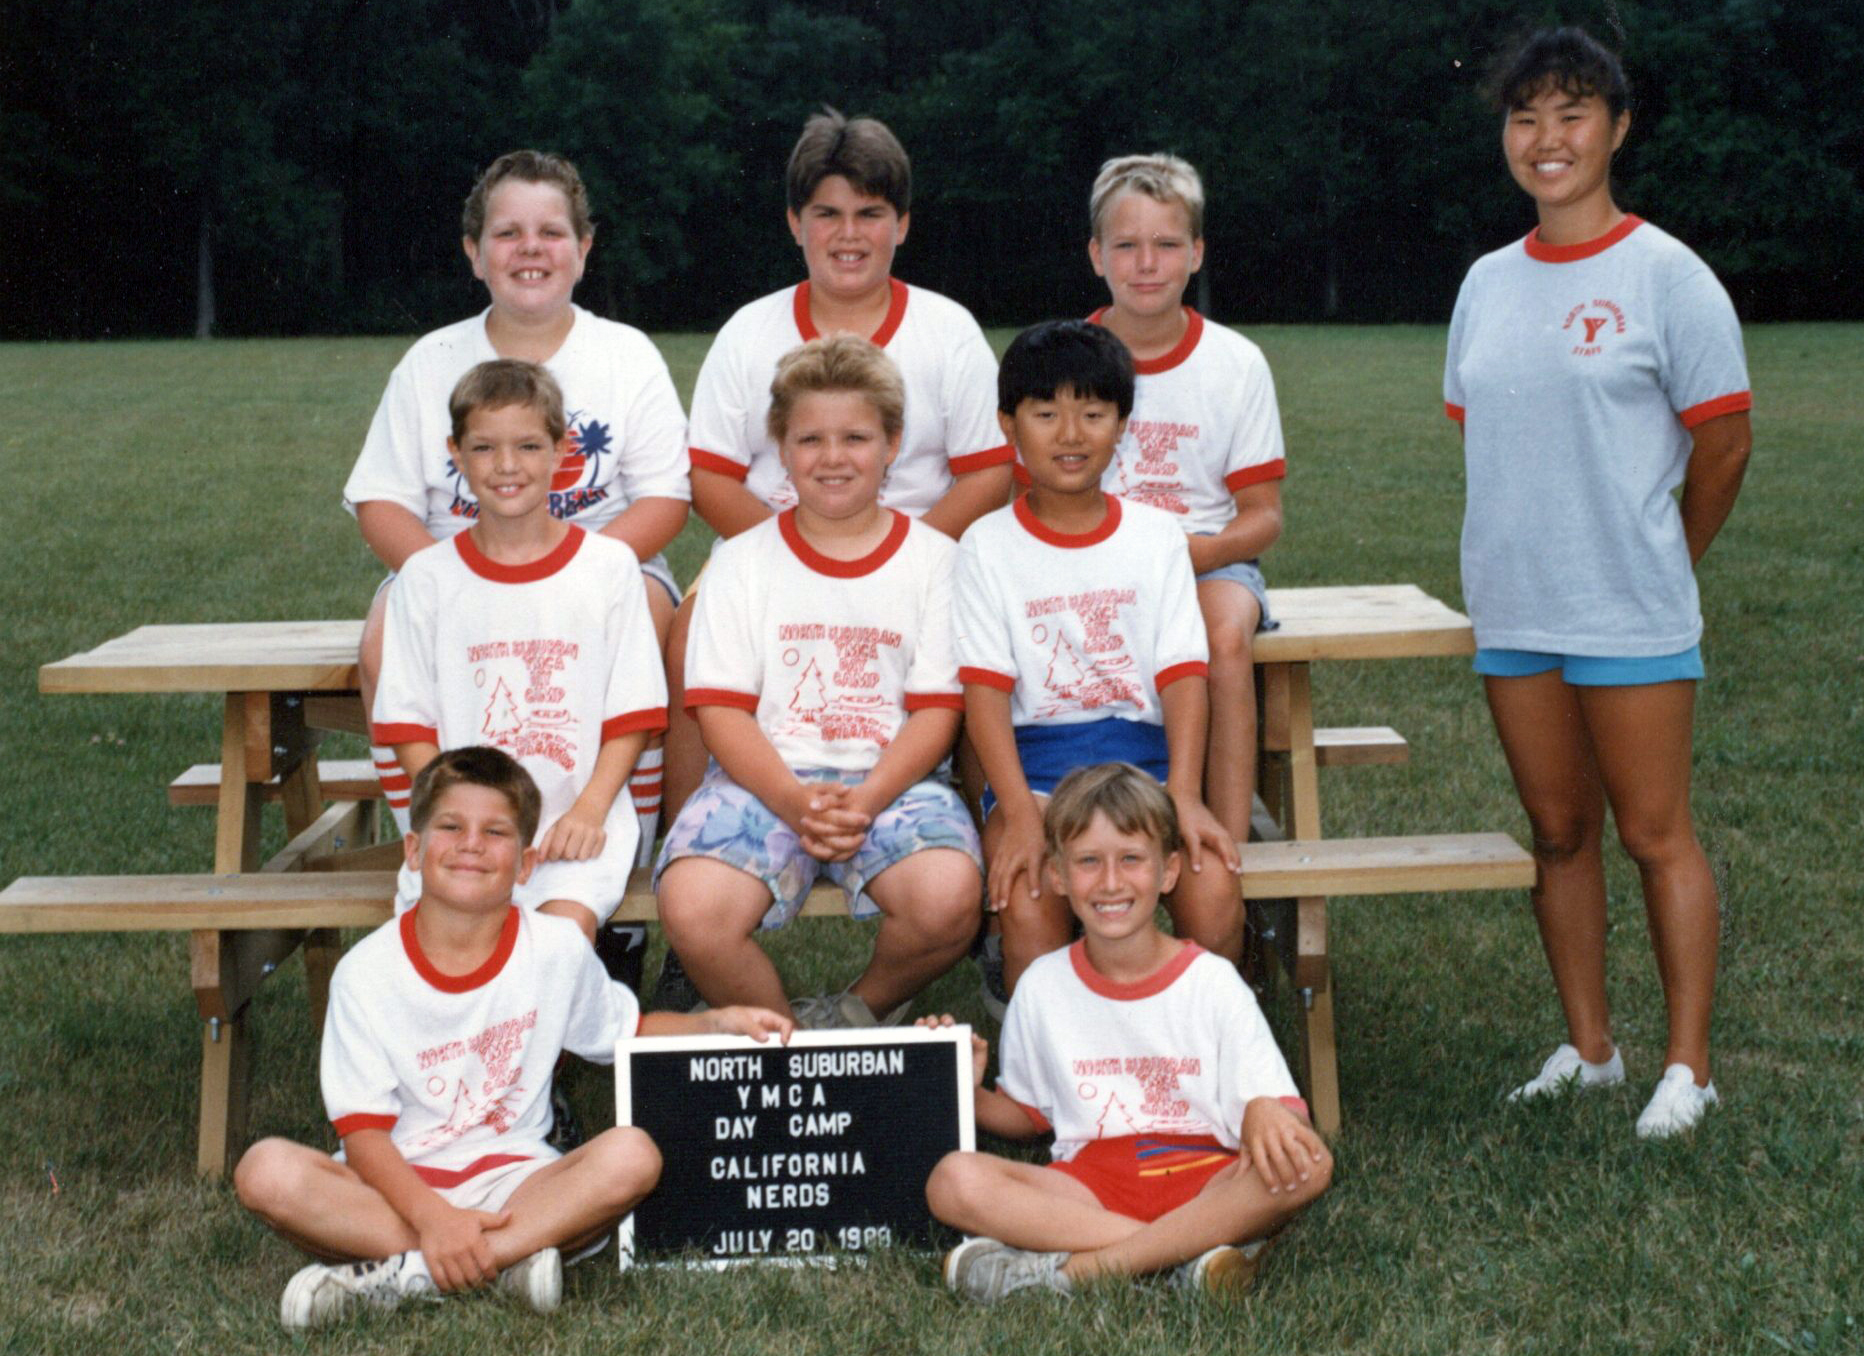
<point>948,369</point>
<point>830,655</point>
<point>1577,373</point>
<point>1204,425</point>
<point>627,434</point>
<point>1180,1053</point>
<point>457,1068</point>
<point>1078,627</point>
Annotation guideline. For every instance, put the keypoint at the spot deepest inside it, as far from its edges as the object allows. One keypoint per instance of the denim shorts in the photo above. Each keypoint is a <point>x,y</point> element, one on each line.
<point>1585,670</point>
<point>1248,573</point>
<point>725,823</point>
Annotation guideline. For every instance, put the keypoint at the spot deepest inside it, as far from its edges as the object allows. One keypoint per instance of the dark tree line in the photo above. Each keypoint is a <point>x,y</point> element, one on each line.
<point>290,166</point>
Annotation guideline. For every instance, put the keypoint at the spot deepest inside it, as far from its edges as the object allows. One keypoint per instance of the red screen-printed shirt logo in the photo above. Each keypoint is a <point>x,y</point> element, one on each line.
<point>1102,672</point>
<point>841,701</point>
<point>489,1094</point>
<point>1155,1106</point>
<point>534,723</point>
<point>1595,319</point>
<point>1148,470</point>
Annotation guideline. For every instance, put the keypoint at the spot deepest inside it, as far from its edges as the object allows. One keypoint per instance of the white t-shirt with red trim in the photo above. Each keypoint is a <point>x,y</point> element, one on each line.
<point>951,396</point>
<point>1577,373</point>
<point>627,433</point>
<point>1180,1053</point>
<point>831,655</point>
<point>1078,627</point>
<point>1204,425</point>
<point>547,661</point>
<point>457,1068</point>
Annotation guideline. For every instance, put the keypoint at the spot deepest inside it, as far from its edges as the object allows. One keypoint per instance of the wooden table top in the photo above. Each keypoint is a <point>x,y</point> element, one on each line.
<point>1354,621</point>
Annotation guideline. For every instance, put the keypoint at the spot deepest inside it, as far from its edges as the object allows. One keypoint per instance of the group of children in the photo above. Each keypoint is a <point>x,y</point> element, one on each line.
<point>875,592</point>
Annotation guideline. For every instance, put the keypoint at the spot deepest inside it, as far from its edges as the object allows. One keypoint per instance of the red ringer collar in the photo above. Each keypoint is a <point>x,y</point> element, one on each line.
<point>1567,254</point>
<point>841,569</point>
<point>1186,345</point>
<point>485,974</point>
<point>896,312</point>
<point>528,573</point>
<point>1155,983</point>
<point>1072,541</point>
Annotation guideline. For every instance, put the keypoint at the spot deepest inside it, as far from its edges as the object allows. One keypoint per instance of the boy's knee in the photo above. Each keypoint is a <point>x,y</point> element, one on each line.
<point>692,921</point>
<point>627,1158</point>
<point>1231,645</point>
<point>953,1184</point>
<point>269,1174</point>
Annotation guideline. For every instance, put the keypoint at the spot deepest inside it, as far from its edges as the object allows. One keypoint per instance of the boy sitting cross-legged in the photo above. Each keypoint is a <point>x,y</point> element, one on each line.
<point>444,1026</point>
<point>1178,1136</point>
<point>531,634</point>
<point>1080,641</point>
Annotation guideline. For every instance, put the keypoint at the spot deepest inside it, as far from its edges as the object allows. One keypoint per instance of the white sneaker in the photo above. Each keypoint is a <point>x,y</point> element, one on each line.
<point>1222,1270</point>
<point>537,1280</point>
<point>984,1270</point>
<point>1676,1105</point>
<point>322,1294</point>
<point>1565,1070</point>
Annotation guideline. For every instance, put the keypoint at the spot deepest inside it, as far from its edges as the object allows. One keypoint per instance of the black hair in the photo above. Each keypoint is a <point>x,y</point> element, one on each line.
<point>1066,355</point>
<point>1570,60</point>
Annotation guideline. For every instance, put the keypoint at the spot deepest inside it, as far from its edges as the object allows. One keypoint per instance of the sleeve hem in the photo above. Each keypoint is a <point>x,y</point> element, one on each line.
<point>346,1126</point>
<point>1002,682</point>
<point>1455,412</point>
<point>388,735</point>
<point>982,461</point>
<point>1192,668</point>
<point>720,696</point>
<point>1256,475</point>
<point>1733,403</point>
<point>934,701</point>
<point>651,718</point>
<point>703,460</point>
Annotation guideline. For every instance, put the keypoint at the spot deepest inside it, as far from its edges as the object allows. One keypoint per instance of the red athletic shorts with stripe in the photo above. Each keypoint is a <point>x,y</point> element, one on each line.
<point>1145,1176</point>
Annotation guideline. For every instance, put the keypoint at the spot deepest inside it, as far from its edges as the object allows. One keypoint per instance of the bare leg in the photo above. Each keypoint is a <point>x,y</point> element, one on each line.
<point>1231,614</point>
<point>319,1204</point>
<point>710,912</point>
<point>1207,907</point>
<point>1642,735</point>
<point>1021,1204</point>
<point>1549,751</point>
<point>930,900</point>
<point>388,770</point>
<point>646,784</point>
<point>1031,927</point>
<point>578,1196</point>
<point>685,751</point>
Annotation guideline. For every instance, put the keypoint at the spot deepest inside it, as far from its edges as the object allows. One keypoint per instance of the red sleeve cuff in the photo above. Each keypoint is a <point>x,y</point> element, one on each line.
<point>982,461</point>
<point>349,1125</point>
<point>934,701</point>
<point>987,678</point>
<point>1255,475</point>
<point>1716,408</point>
<point>703,460</point>
<point>720,696</point>
<point>651,719</point>
<point>1453,411</point>
<point>387,736</point>
<point>1191,668</point>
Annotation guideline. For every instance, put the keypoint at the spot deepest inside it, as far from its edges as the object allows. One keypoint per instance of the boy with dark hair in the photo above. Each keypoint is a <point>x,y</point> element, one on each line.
<point>1152,1065</point>
<point>443,1029</point>
<point>1079,640</point>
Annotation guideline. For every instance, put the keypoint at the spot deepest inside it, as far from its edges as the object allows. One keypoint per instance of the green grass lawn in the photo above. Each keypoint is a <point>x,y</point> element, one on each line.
<point>171,482</point>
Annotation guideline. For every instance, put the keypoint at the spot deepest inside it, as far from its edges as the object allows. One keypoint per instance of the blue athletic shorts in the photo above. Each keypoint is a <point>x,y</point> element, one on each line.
<point>1051,752</point>
<point>1585,670</point>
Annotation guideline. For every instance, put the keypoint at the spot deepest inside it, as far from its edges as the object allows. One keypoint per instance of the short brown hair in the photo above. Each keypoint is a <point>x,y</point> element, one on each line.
<point>838,362</point>
<point>860,150</point>
<point>1128,797</point>
<point>1162,178</point>
<point>533,167</point>
<point>477,765</point>
<point>500,382</point>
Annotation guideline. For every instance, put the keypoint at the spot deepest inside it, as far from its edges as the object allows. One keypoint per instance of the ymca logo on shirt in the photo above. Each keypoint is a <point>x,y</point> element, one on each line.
<point>524,712</point>
<point>1592,323</point>
<point>488,1094</point>
<point>837,674</point>
<point>1147,472</point>
<point>573,488</point>
<point>1101,672</point>
<point>1155,1106</point>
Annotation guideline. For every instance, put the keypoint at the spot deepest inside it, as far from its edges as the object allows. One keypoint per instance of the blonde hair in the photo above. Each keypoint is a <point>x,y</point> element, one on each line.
<point>500,382</point>
<point>1128,797</point>
<point>1162,178</point>
<point>838,362</point>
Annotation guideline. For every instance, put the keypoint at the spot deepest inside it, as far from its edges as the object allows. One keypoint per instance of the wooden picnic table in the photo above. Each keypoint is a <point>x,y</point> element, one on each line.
<point>283,683</point>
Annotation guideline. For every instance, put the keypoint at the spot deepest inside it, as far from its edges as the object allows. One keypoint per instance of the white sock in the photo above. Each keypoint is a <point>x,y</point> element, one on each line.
<point>395,785</point>
<point>413,1277</point>
<point>644,785</point>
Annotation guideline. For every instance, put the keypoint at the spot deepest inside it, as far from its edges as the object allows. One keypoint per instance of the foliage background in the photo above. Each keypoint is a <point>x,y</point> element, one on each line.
<point>315,152</point>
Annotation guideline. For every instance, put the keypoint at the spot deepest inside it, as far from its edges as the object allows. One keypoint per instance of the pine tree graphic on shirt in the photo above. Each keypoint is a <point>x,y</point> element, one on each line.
<point>810,699</point>
<point>1065,673</point>
<point>1115,1119</point>
<point>503,720</point>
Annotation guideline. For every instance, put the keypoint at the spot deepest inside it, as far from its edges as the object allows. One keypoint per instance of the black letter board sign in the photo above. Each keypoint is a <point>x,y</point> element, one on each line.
<point>792,1152</point>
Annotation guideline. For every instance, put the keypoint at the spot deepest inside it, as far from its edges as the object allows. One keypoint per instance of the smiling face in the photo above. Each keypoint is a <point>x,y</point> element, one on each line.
<point>507,459</point>
<point>837,452</point>
<point>1113,879</point>
<point>1147,254</point>
<point>1559,148</point>
<point>1065,441</point>
<point>529,256</point>
<point>848,238</point>
<point>471,852</point>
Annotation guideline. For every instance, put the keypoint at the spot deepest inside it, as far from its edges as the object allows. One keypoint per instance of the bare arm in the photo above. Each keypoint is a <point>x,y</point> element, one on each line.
<point>970,497</point>
<point>647,525</point>
<point>415,756</point>
<point>748,757</point>
<point>391,531</point>
<point>996,1112</point>
<point>581,831</point>
<point>757,1023</point>
<point>1717,462</point>
<point>1256,527</point>
<point>725,505</point>
<point>1021,850</point>
<point>1186,704</point>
